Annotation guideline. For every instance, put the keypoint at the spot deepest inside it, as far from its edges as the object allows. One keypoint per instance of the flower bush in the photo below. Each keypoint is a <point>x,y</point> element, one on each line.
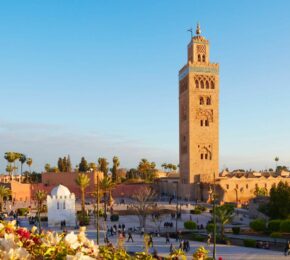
<point>200,253</point>
<point>20,243</point>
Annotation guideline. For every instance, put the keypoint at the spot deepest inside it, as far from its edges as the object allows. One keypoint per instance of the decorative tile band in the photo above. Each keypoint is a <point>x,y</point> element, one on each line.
<point>198,70</point>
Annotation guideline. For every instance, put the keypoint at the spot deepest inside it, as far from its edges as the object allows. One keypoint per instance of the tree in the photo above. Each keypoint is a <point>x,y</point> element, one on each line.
<point>4,193</point>
<point>224,215</point>
<point>9,169</point>
<point>60,164</point>
<point>11,157</point>
<point>132,173</point>
<point>47,167</point>
<point>147,170</point>
<point>103,165</point>
<point>29,163</point>
<point>116,164</point>
<point>93,166</point>
<point>279,204</point>
<point>22,159</point>
<point>144,203</point>
<point>40,197</point>
<point>83,181</point>
<point>68,165</point>
<point>106,186</point>
<point>276,159</point>
<point>83,166</point>
<point>260,191</point>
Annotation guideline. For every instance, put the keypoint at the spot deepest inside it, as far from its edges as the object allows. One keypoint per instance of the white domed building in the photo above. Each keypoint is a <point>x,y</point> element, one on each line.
<point>61,207</point>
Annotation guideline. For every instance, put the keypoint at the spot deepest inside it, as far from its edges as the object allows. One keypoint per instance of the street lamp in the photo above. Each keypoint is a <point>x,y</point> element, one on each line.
<point>176,208</point>
<point>98,202</point>
<point>214,219</point>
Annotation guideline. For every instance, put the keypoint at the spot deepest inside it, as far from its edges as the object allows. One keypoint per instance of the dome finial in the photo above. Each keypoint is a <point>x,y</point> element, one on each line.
<point>198,31</point>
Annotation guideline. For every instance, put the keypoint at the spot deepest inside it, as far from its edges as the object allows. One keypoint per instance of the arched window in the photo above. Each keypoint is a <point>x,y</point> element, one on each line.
<point>198,58</point>
<point>205,156</point>
<point>212,85</point>
<point>207,84</point>
<point>201,101</point>
<point>203,58</point>
<point>201,156</point>
<point>206,123</point>
<point>64,205</point>
<point>208,101</point>
<point>201,122</point>
<point>196,84</point>
<point>57,206</point>
<point>201,84</point>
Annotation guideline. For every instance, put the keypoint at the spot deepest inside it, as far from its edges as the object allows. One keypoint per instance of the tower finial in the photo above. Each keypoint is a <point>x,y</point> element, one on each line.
<point>198,31</point>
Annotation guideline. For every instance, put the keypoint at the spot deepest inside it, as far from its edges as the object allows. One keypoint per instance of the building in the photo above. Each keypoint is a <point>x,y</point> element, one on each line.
<point>198,115</point>
<point>61,207</point>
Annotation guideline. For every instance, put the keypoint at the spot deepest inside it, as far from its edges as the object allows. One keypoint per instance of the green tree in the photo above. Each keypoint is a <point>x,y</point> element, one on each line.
<point>83,166</point>
<point>103,165</point>
<point>147,170</point>
<point>11,157</point>
<point>83,181</point>
<point>276,159</point>
<point>9,169</point>
<point>224,215</point>
<point>4,193</point>
<point>69,165</point>
<point>22,159</point>
<point>60,164</point>
<point>116,164</point>
<point>132,173</point>
<point>29,163</point>
<point>40,197</point>
<point>47,167</point>
<point>106,186</point>
<point>260,191</point>
<point>279,204</point>
<point>93,166</point>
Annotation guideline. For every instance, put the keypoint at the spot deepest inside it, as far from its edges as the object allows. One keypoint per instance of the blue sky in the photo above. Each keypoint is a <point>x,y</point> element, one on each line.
<point>99,78</point>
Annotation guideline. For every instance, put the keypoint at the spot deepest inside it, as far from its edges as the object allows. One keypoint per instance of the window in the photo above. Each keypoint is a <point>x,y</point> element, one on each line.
<point>207,84</point>
<point>206,123</point>
<point>228,186</point>
<point>247,186</point>
<point>208,101</point>
<point>203,58</point>
<point>198,58</point>
<point>212,85</point>
<point>201,122</point>
<point>57,205</point>
<point>202,84</point>
<point>196,84</point>
<point>205,156</point>
<point>201,156</point>
<point>64,205</point>
<point>201,101</point>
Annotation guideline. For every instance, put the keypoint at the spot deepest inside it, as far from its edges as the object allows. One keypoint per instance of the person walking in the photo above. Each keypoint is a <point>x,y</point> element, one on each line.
<point>130,237</point>
<point>167,238</point>
<point>208,239</point>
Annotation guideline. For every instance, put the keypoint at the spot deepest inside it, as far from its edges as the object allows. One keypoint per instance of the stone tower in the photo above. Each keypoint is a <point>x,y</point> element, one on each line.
<point>198,114</point>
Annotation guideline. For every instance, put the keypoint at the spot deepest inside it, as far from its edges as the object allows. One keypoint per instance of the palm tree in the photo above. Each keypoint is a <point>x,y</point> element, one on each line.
<point>9,169</point>
<point>11,157</point>
<point>22,159</point>
<point>29,163</point>
<point>224,215</point>
<point>4,193</point>
<point>116,164</point>
<point>106,186</point>
<point>83,181</point>
<point>40,197</point>
<point>276,159</point>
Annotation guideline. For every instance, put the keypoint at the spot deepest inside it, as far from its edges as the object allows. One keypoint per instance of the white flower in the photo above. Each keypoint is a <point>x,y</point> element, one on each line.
<point>79,256</point>
<point>72,240</point>
<point>16,254</point>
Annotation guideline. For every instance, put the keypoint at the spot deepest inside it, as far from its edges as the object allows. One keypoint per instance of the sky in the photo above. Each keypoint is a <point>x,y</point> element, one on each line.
<point>100,78</point>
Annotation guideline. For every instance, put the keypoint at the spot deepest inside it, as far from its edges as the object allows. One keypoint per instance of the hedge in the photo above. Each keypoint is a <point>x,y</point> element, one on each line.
<point>285,226</point>
<point>276,235</point>
<point>189,225</point>
<point>114,217</point>
<point>258,225</point>
<point>84,220</point>
<point>195,211</point>
<point>22,211</point>
<point>250,243</point>
<point>210,227</point>
<point>236,230</point>
<point>274,225</point>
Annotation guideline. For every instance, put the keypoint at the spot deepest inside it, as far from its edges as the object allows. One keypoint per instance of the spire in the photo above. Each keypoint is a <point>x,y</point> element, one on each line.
<point>198,31</point>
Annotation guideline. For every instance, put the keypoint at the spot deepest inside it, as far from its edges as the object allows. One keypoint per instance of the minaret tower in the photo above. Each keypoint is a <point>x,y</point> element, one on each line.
<point>198,114</point>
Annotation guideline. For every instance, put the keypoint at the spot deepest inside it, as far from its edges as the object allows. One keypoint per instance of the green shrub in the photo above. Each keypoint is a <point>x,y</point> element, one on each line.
<point>101,212</point>
<point>195,211</point>
<point>275,235</point>
<point>285,226</point>
<point>250,243</point>
<point>274,225</point>
<point>22,211</point>
<point>201,208</point>
<point>210,227</point>
<point>197,237</point>
<point>258,225</point>
<point>189,225</point>
<point>84,220</point>
<point>114,217</point>
<point>236,230</point>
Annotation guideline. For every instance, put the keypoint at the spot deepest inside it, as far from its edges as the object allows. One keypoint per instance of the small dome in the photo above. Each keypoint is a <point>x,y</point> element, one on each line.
<point>60,190</point>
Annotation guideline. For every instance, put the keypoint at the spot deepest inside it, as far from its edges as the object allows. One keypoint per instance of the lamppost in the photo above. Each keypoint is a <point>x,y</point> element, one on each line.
<point>98,202</point>
<point>176,208</point>
<point>214,219</point>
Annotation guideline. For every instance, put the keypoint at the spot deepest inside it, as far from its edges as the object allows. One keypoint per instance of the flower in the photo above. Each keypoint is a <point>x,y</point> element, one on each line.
<point>72,240</point>
<point>79,256</point>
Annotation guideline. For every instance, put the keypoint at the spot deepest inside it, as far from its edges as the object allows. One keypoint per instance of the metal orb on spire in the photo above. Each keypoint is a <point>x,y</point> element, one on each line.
<point>198,31</point>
